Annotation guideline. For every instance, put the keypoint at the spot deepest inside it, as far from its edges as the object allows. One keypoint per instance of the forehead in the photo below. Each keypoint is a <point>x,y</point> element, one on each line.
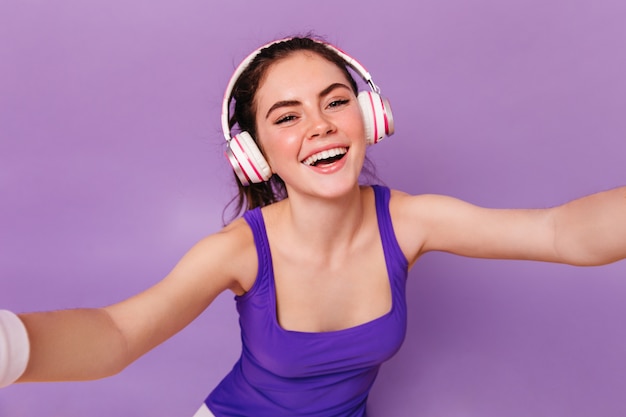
<point>298,73</point>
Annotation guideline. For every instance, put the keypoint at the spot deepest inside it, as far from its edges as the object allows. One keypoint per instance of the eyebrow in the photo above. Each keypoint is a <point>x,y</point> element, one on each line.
<point>288,103</point>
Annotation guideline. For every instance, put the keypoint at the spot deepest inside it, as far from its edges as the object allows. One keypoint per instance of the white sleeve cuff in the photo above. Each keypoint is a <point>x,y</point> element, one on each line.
<point>14,348</point>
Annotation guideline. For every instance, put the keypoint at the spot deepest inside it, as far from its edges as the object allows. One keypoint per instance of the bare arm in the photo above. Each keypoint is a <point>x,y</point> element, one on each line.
<point>94,343</point>
<point>587,231</point>
<point>592,230</point>
<point>71,345</point>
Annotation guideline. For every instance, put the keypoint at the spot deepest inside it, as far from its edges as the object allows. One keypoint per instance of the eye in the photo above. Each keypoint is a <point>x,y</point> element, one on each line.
<point>285,119</point>
<point>338,103</point>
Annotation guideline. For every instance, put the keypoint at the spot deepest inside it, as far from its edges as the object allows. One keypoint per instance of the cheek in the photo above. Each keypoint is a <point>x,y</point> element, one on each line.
<point>357,126</point>
<point>279,146</point>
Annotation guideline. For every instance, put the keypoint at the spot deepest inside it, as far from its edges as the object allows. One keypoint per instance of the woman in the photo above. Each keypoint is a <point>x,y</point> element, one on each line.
<point>318,262</point>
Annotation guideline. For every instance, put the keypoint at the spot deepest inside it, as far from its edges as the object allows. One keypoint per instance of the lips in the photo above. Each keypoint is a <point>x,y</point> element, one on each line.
<point>327,156</point>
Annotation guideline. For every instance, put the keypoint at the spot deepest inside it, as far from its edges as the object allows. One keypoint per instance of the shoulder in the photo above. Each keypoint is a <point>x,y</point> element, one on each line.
<point>234,248</point>
<point>408,209</point>
<point>406,223</point>
<point>415,218</point>
<point>222,260</point>
<point>422,206</point>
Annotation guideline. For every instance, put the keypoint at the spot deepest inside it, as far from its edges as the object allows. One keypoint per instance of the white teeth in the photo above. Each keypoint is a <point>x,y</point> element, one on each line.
<point>329,153</point>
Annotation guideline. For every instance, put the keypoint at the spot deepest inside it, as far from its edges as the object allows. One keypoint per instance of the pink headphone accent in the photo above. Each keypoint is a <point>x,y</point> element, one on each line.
<point>244,154</point>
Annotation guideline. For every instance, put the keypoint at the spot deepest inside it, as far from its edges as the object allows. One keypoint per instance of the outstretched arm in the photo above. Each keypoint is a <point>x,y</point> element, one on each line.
<point>72,345</point>
<point>592,230</point>
<point>87,344</point>
<point>587,231</point>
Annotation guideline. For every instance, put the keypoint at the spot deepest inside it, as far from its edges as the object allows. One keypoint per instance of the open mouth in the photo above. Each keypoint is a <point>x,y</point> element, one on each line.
<point>326,157</point>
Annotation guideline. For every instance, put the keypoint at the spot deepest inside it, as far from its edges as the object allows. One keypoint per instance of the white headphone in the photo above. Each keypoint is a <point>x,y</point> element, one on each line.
<point>244,154</point>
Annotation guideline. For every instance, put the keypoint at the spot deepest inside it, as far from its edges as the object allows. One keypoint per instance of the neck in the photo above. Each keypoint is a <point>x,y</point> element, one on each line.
<point>324,224</point>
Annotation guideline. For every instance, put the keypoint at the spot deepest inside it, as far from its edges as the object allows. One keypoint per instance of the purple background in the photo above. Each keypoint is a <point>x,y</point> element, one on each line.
<point>111,166</point>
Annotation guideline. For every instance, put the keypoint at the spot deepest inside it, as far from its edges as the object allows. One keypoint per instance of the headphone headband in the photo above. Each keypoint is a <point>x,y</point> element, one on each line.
<point>351,62</point>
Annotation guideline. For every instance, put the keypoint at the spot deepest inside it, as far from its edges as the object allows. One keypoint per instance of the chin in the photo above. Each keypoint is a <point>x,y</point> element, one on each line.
<point>332,188</point>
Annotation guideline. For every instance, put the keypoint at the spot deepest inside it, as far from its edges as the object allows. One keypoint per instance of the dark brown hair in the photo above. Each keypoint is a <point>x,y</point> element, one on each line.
<point>244,113</point>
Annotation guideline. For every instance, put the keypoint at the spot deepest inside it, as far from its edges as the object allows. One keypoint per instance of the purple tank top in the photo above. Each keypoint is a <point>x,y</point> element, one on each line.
<point>291,373</point>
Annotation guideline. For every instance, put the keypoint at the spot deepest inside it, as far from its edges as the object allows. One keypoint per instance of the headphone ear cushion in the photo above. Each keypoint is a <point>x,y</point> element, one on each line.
<point>377,116</point>
<point>247,160</point>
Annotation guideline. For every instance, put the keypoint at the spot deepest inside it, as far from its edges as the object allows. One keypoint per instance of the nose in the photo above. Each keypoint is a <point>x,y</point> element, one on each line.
<point>320,125</point>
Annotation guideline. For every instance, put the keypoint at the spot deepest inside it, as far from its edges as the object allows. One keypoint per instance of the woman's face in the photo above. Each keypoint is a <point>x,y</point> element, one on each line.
<point>310,126</point>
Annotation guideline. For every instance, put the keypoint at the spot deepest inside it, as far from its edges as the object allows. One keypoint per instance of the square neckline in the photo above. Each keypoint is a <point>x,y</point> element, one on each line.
<point>267,255</point>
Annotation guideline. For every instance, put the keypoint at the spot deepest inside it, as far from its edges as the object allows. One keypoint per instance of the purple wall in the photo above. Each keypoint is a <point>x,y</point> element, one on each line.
<point>111,167</point>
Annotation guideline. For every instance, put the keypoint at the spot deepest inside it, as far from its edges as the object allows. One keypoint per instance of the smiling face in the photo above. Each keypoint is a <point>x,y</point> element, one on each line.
<point>310,126</point>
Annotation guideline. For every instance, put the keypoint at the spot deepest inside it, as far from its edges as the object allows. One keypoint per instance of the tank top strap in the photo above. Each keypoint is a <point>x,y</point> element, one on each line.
<point>393,253</point>
<point>254,218</point>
